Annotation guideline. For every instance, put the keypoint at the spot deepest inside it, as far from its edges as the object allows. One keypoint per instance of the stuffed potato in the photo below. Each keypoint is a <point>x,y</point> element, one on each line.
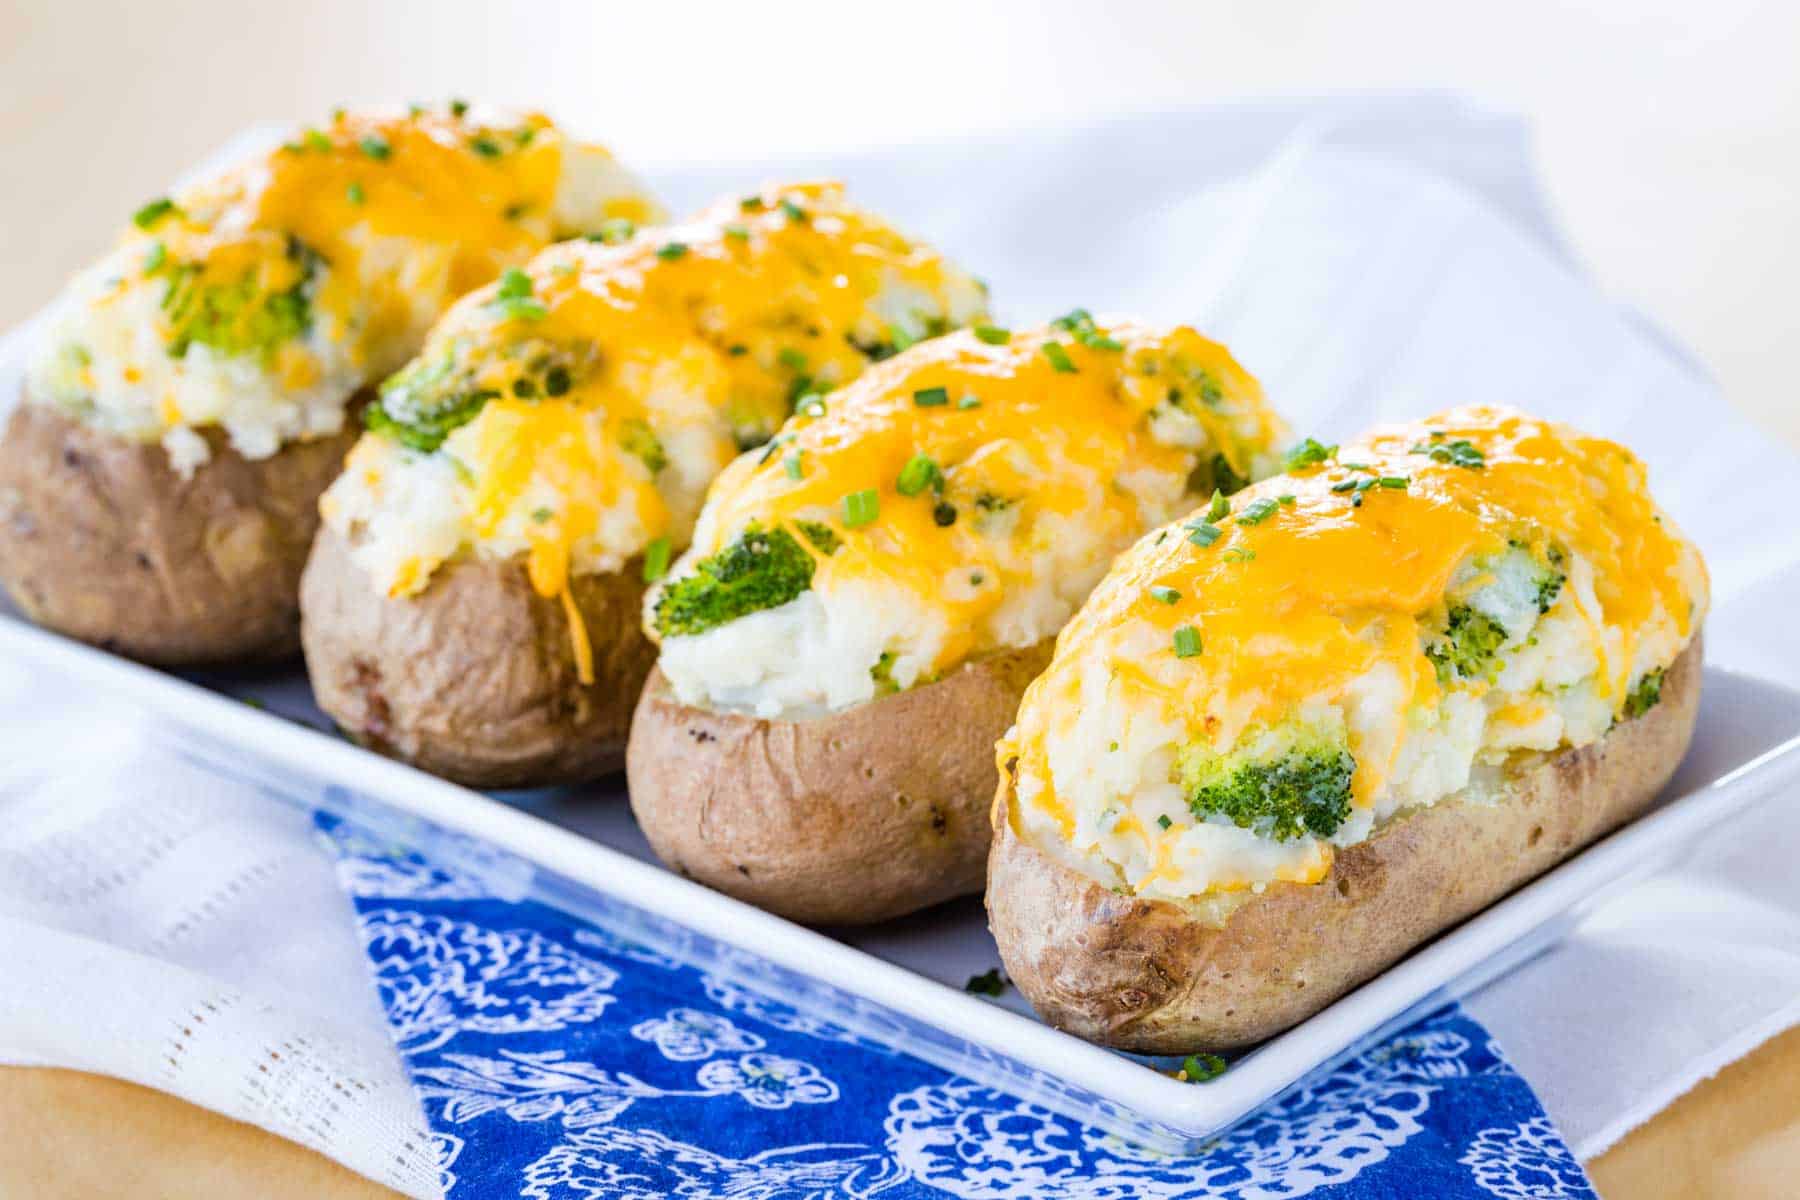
<point>865,601</point>
<point>1287,741</point>
<point>159,481</point>
<point>471,603</point>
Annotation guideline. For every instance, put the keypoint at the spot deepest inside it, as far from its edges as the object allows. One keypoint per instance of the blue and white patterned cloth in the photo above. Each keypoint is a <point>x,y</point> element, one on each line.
<point>557,1061</point>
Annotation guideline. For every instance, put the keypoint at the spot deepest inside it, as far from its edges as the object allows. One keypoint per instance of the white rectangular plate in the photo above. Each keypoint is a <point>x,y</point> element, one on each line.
<point>902,982</point>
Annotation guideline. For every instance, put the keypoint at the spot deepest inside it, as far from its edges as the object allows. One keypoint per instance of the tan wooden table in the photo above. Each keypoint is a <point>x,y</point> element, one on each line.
<point>1669,134</point>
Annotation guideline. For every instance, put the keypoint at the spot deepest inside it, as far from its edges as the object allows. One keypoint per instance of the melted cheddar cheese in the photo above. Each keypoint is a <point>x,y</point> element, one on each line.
<point>1413,608</point>
<point>974,488</point>
<point>574,412</point>
<point>260,300</point>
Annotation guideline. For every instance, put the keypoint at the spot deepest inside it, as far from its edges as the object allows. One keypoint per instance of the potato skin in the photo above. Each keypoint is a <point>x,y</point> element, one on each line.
<point>846,819</point>
<point>102,540</point>
<point>1147,976</point>
<point>474,678</point>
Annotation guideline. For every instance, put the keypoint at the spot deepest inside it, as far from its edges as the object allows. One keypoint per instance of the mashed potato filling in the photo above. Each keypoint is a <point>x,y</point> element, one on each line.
<point>973,490</point>
<point>260,301</point>
<point>1250,690</point>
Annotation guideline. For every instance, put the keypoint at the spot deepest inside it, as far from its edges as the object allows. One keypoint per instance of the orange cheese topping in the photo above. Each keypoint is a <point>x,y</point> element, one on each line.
<point>986,459</point>
<point>367,191</point>
<point>606,383</point>
<point>1318,577</point>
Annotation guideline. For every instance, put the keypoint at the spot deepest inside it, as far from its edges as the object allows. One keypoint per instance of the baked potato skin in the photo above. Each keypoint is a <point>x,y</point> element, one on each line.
<point>857,817</point>
<point>474,678</point>
<point>1147,977</point>
<point>102,540</point>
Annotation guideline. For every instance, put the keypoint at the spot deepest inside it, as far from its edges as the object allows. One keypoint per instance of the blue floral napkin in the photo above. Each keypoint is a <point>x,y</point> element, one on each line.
<point>557,1061</point>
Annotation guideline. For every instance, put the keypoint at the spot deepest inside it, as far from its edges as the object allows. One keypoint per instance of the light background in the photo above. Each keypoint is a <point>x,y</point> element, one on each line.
<point>1669,131</point>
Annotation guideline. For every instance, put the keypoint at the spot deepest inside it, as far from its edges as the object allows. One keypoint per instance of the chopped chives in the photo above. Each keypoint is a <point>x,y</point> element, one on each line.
<point>1392,481</point>
<point>376,147</point>
<point>920,472</point>
<point>931,397</point>
<point>993,335</point>
<point>1059,357</point>
<point>1164,821</point>
<point>969,401</point>
<point>1167,595</point>
<point>1187,642</point>
<point>147,216</point>
<point>861,508</point>
<point>1257,511</point>
<point>792,465</point>
<point>1219,508</point>
<point>155,258</point>
<point>670,251</point>
<point>1204,534</point>
<point>354,193</point>
<point>656,560</point>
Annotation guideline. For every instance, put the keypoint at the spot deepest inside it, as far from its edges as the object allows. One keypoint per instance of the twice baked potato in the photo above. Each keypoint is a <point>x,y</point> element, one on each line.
<point>472,604</point>
<point>865,601</point>
<point>159,480</point>
<point>1382,692</point>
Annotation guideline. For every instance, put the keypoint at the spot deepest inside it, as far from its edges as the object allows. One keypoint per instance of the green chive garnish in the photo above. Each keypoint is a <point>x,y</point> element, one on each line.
<point>793,211</point>
<point>920,472</point>
<point>458,108</point>
<point>155,258</point>
<point>376,147</point>
<point>1219,508</point>
<point>1392,481</point>
<point>792,464</point>
<point>1202,1068</point>
<point>1167,595</point>
<point>931,397</point>
<point>1164,821</point>
<point>147,216</point>
<point>969,401</point>
<point>1257,511</point>
<point>656,560</point>
<point>737,232</point>
<point>355,193</point>
<point>861,508</point>
<point>1308,453</point>
<point>670,251</point>
<point>1059,357</point>
<point>1187,642</point>
<point>993,335</point>
<point>1204,534</point>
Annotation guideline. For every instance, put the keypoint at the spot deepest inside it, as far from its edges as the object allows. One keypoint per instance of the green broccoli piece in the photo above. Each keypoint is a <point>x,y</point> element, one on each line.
<point>426,431</point>
<point>238,318</point>
<point>1645,696</point>
<point>762,569</point>
<point>641,442</point>
<point>1303,792</point>
<point>1468,647</point>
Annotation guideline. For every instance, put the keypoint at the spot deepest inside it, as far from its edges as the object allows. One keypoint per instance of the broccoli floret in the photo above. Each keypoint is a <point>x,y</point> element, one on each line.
<point>762,569</point>
<point>1468,647</point>
<point>1645,696</point>
<point>1303,792</point>
<point>427,430</point>
<point>239,318</point>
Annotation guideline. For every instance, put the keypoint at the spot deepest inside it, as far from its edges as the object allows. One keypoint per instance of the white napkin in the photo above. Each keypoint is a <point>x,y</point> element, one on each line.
<point>1366,258</point>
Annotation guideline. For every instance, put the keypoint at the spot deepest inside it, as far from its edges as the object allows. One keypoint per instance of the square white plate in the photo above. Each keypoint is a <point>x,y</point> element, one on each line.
<point>901,983</point>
